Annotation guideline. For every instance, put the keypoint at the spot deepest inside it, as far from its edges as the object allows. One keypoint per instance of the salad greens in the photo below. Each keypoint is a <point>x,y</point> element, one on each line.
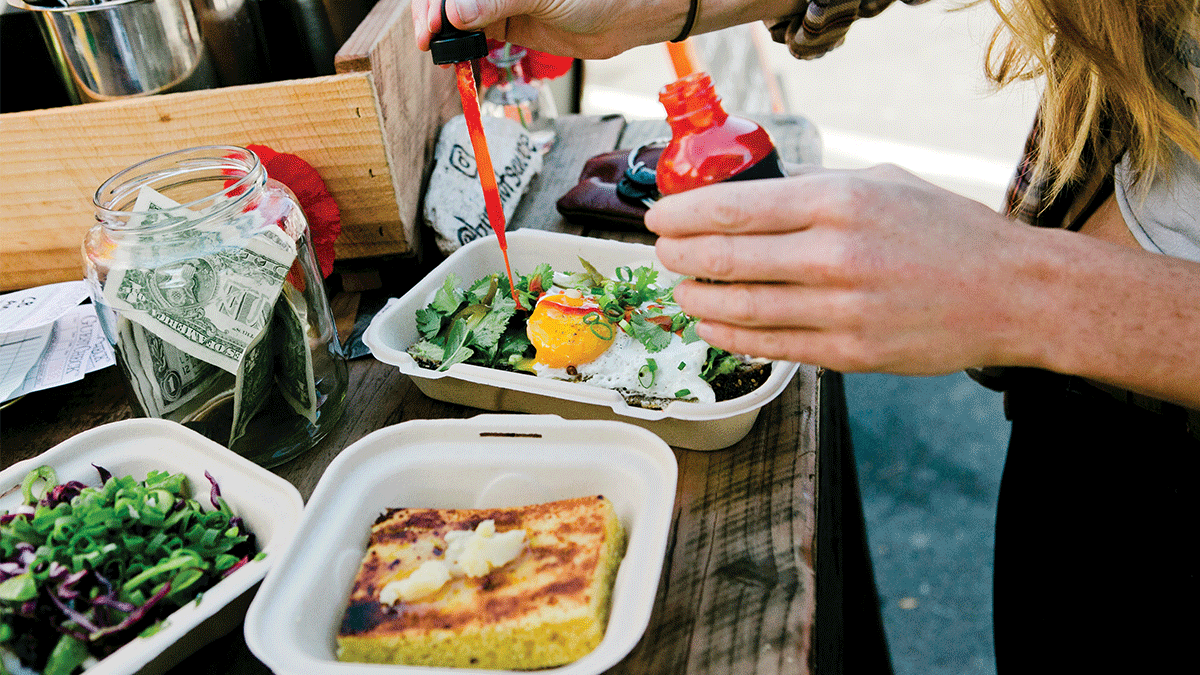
<point>83,570</point>
<point>483,325</point>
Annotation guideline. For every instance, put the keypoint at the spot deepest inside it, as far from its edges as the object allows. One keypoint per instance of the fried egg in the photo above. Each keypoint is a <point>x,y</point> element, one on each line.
<point>576,342</point>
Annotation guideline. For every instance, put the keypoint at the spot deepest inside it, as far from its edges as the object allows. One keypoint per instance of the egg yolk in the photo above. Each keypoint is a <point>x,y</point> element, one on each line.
<point>568,331</point>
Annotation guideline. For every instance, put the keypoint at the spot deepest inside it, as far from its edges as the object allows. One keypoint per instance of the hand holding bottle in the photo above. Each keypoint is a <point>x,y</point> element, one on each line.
<point>854,270</point>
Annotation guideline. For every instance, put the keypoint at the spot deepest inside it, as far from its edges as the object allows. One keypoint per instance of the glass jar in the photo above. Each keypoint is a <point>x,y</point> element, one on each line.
<point>526,101</point>
<point>206,283</point>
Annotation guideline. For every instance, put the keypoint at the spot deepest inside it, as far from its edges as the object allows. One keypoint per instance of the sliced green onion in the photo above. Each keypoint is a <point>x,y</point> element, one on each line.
<point>682,392</point>
<point>624,273</point>
<point>599,326</point>
<point>648,373</point>
<point>682,365</point>
<point>42,473</point>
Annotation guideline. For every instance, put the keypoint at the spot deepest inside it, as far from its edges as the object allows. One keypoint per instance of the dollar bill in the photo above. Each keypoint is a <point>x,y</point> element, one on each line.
<point>212,306</point>
<point>254,378</point>
<point>165,380</point>
<point>293,357</point>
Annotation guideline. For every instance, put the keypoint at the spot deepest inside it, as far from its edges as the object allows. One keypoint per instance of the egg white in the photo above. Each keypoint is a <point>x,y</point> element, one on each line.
<point>618,366</point>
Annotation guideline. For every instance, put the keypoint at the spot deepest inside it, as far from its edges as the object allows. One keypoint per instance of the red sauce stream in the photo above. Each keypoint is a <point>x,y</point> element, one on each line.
<point>483,162</point>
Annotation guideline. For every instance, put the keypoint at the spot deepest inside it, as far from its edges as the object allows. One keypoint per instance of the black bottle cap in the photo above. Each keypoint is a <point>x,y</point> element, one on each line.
<point>454,45</point>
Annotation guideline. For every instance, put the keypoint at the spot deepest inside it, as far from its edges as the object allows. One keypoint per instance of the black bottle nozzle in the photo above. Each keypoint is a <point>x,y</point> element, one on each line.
<point>454,45</point>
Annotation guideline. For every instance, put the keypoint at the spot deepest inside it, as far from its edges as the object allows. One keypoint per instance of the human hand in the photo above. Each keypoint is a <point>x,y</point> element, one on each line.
<point>595,29</point>
<point>872,270</point>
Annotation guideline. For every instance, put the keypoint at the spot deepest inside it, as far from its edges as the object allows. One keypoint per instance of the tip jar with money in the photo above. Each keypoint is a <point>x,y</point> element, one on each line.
<point>203,273</point>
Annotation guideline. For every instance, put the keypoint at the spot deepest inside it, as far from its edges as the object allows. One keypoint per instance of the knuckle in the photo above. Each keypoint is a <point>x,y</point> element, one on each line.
<point>729,215</point>
<point>741,305</point>
<point>716,257</point>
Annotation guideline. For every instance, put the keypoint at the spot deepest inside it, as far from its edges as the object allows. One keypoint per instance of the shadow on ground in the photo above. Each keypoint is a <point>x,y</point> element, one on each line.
<point>929,453</point>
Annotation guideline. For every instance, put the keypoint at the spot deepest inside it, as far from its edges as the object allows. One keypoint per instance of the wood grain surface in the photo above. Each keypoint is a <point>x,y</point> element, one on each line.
<point>369,132</point>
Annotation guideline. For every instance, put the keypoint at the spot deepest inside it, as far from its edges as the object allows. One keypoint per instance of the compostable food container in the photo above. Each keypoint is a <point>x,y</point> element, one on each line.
<point>488,461</point>
<point>693,426</point>
<point>268,505</point>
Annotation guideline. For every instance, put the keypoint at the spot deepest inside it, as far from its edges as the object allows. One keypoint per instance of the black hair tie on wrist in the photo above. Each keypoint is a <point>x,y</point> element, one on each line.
<point>693,10</point>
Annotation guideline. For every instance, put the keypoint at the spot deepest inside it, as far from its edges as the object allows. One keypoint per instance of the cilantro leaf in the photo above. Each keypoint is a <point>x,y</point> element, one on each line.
<point>719,362</point>
<point>428,351</point>
<point>456,342</point>
<point>489,328</point>
<point>651,335</point>
<point>429,322</point>
<point>483,290</point>
<point>449,297</point>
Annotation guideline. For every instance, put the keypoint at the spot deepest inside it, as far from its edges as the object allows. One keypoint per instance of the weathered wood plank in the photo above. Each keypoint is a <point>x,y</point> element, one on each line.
<point>369,134</point>
<point>579,138</point>
<point>55,159</point>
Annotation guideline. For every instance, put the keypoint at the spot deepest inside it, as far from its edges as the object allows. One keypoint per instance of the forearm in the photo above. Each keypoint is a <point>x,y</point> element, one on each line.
<point>1125,317</point>
<point>718,14</point>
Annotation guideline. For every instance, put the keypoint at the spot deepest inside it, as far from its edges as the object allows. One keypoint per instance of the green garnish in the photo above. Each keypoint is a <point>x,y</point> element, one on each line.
<point>482,325</point>
<point>648,373</point>
<point>89,568</point>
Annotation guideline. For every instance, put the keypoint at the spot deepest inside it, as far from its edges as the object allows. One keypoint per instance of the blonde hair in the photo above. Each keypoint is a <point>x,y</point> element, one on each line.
<point>1100,60</point>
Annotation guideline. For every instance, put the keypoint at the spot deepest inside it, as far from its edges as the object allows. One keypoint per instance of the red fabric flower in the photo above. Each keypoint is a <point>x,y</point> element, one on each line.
<point>534,65</point>
<point>321,211</point>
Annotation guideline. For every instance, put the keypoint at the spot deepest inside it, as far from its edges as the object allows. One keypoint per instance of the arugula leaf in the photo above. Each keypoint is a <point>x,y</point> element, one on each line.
<point>459,356</point>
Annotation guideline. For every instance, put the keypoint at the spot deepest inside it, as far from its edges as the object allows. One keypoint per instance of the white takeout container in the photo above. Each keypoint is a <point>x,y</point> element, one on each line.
<point>269,505</point>
<point>694,426</point>
<point>488,461</point>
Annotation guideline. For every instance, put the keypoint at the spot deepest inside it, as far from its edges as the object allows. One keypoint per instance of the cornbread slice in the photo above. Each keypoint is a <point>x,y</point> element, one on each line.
<point>547,607</point>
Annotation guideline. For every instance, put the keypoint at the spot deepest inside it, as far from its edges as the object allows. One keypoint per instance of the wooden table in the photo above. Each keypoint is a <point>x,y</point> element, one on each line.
<point>743,587</point>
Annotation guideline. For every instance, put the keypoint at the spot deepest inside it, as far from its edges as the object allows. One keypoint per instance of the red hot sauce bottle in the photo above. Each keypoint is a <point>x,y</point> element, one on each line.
<point>708,145</point>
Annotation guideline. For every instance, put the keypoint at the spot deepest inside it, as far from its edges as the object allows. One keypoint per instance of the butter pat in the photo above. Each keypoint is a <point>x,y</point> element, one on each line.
<point>468,553</point>
<point>476,554</point>
<point>426,580</point>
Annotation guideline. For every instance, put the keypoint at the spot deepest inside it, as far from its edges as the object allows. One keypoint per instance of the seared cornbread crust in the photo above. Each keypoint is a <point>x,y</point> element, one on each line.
<point>546,608</point>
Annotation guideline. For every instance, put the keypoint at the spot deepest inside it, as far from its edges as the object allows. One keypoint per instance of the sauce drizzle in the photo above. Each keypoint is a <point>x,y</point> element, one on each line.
<point>483,162</point>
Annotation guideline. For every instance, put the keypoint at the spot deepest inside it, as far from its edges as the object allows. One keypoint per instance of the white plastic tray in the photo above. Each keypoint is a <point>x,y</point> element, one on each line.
<point>482,462</point>
<point>695,426</point>
<point>270,506</point>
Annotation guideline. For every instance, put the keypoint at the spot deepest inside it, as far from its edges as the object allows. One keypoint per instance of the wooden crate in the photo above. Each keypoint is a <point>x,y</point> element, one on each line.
<point>369,130</point>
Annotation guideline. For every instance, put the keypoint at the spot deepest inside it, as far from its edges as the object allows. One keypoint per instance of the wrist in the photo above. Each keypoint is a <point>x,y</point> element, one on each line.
<point>714,15</point>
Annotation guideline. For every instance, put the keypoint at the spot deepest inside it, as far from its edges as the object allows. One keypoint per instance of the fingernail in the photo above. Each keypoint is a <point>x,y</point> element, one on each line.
<point>468,10</point>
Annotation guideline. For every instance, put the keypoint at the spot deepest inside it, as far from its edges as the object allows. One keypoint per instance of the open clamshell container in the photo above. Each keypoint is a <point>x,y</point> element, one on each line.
<point>268,505</point>
<point>694,426</point>
<point>488,461</point>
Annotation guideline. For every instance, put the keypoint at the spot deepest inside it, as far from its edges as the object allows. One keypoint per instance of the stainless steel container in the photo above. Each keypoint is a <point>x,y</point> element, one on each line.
<point>122,48</point>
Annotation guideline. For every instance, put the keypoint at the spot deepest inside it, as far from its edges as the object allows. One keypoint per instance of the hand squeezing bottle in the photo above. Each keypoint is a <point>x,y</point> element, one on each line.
<point>708,145</point>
